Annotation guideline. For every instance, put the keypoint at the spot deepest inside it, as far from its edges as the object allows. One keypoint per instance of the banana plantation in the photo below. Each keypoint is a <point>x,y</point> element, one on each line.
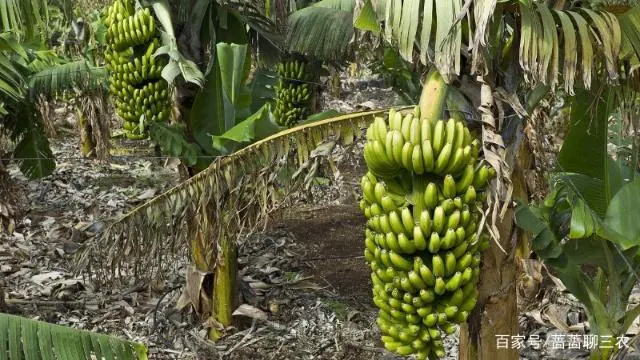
<point>332,179</point>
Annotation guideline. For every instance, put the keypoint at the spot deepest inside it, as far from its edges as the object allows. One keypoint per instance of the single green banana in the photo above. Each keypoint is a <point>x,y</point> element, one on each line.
<point>438,137</point>
<point>443,159</point>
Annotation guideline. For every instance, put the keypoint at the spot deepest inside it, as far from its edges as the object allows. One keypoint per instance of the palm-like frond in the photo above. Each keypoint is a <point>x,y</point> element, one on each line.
<point>22,16</point>
<point>323,30</point>
<point>577,38</point>
<point>74,74</point>
<point>582,32</point>
<point>630,25</point>
<point>253,17</point>
<point>22,338</point>
<point>437,25</point>
<point>11,80</point>
<point>229,198</point>
<point>11,76</point>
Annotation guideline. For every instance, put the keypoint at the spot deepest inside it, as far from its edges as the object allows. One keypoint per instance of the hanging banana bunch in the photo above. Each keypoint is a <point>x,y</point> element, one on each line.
<point>293,92</point>
<point>140,93</point>
<point>422,197</point>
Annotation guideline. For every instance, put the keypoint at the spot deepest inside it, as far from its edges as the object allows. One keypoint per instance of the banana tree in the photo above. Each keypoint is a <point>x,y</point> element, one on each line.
<point>20,21</point>
<point>219,110</point>
<point>483,48</point>
<point>588,221</point>
<point>86,78</point>
<point>213,95</point>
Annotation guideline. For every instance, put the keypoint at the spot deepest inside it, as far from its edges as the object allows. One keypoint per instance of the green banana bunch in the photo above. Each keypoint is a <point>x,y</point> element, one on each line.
<point>135,75</point>
<point>293,95</point>
<point>118,11</point>
<point>420,147</point>
<point>421,198</point>
<point>136,29</point>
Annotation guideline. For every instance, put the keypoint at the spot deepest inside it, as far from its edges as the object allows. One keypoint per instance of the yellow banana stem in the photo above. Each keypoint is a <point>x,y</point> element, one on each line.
<point>434,94</point>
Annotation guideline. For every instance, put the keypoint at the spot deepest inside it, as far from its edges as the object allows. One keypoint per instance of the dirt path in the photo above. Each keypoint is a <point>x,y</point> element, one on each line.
<point>332,238</point>
<point>329,315</point>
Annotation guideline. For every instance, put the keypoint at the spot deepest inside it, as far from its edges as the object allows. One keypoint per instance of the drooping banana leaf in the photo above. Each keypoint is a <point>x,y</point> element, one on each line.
<point>321,30</point>
<point>587,38</point>
<point>230,197</point>
<point>36,158</point>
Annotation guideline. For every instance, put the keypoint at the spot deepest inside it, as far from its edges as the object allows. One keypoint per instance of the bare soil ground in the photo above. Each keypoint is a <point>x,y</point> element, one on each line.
<point>332,237</point>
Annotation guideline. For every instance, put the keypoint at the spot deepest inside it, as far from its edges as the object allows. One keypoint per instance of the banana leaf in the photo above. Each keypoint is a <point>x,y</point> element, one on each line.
<point>22,338</point>
<point>256,127</point>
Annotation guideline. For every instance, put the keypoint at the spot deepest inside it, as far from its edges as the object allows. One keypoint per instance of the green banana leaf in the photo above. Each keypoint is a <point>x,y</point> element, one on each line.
<point>172,140</point>
<point>567,260</point>
<point>33,150</point>
<point>544,241</point>
<point>584,150</point>
<point>211,114</point>
<point>234,71</point>
<point>207,115</point>
<point>623,216</point>
<point>22,338</point>
<point>178,64</point>
<point>256,127</point>
<point>320,116</point>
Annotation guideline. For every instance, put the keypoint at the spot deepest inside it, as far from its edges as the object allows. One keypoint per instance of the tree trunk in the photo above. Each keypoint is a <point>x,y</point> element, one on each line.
<point>224,289</point>
<point>99,122</point>
<point>495,317</point>
<point>8,200</point>
<point>7,221</point>
<point>87,146</point>
<point>3,305</point>
<point>217,255</point>
<point>334,83</point>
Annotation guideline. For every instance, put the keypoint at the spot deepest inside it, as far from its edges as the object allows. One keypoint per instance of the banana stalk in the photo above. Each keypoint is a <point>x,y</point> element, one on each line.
<point>434,95</point>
